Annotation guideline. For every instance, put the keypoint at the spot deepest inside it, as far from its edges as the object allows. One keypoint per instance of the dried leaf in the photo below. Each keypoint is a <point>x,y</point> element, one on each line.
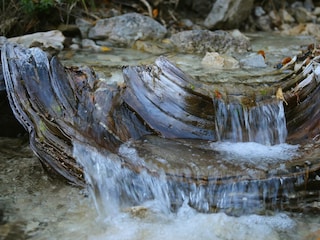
<point>279,95</point>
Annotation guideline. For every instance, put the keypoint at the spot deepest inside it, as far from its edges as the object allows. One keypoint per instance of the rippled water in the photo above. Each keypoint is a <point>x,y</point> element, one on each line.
<point>34,205</point>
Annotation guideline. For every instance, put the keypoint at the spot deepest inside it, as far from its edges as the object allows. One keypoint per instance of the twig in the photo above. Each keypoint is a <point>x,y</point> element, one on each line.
<point>148,7</point>
<point>172,15</point>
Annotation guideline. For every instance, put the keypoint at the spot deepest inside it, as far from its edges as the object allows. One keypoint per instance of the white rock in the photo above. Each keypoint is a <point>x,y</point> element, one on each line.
<point>51,40</point>
<point>215,60</point>
<point>253,61</point>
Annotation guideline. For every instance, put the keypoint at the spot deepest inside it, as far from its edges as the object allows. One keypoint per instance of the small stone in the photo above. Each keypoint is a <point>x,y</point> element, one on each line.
<point>258,11</point>
<point>316,11</point>
<point>74,46</point>
<point>89,44</point>
<point>187,23</point>
<point>253,61</point>
<point>308,4</point>
<point>84,26</point>
<point>285,16</point>
<point>138,211</point>
<point>215,60</point>
<point>263,23</point>
<point>302,15</point>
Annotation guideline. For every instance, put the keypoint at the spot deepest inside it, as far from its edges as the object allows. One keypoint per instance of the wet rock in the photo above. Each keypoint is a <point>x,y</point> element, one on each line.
<point>262,20</point>
<point>202,41</point>
<point>259,11</point>
<point>2,40</point>
<point>308,4</point>
<point>125,29</point>
<point>316,11</point>
<point>69,30</point>
<point>90,44</point>
<point>304,29</point>
<point>228,14</point>
<point>253,60</point>
<point>199,6</point>
<point>84,26</point>
<point>276,20</point>
<point>215,60</point>
<point>187,23</point>
<point>302,15</point>
<point>151,47</point>
<point>138,211</point>
<point>286,16</point>
<point>51,41</point>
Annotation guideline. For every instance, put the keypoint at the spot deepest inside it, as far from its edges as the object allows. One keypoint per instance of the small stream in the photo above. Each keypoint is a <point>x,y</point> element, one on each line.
<point>35,205</point>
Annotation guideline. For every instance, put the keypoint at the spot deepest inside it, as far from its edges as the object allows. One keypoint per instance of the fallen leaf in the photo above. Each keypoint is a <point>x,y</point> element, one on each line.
<point>279,95</point>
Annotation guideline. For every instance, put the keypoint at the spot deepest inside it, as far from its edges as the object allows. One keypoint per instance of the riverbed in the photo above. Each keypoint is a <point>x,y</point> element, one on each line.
<point>35,205</point>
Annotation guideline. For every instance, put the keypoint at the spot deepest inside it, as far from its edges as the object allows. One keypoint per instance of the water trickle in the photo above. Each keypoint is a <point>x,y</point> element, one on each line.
<point>114,187</point>
<point>265,123</point>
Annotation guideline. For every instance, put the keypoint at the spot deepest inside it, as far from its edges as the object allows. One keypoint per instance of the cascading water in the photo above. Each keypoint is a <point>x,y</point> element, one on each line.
<point>157,180</point>
<point>265,123</point>
<point>113,186</point>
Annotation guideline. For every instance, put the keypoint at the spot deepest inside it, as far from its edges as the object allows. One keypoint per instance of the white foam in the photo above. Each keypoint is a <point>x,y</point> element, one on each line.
<point>105,176</point>
<point>256,153</point>
<point>190,225</point>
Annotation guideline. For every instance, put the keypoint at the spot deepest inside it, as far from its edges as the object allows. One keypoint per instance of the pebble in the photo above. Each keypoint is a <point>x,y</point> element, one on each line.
<point>253,60</point>
<point>215,60</point>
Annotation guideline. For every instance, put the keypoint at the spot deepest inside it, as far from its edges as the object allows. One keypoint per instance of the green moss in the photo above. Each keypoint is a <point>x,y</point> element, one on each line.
<point>264,92</point>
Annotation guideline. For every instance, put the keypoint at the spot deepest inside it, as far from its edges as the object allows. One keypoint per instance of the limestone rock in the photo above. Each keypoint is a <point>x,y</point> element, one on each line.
<point>302,15</point>
<point>202,41</point>
<point>217,61</point>
<point>84,26</point>
<point>51,41</point>
<point>285,16</point>
<point>125,29</point>
<point>228,14</point>
<point>308,29</point>
<point>253,60</point>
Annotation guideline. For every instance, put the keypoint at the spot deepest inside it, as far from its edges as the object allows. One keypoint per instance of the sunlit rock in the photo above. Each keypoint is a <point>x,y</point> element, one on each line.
<point>286,16</point>
<point>201,41</point>
<point>253,60</point>
<point>127,28</point>
<point>215,60</point>
<point>228,14</point>
<point>308,29</point>
<point>51,41</point>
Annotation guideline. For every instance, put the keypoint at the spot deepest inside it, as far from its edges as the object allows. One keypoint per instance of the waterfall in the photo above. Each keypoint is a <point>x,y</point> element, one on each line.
<point>265,123</point>
<point>114,187</point>
<point>251,140</point>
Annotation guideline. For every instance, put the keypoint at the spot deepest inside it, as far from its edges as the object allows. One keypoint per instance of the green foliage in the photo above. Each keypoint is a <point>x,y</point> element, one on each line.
<point>32,6</point>
<point>38,6</point>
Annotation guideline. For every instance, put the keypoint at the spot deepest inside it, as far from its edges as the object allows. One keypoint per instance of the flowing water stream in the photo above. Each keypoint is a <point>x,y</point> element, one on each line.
<point>122,204</point>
